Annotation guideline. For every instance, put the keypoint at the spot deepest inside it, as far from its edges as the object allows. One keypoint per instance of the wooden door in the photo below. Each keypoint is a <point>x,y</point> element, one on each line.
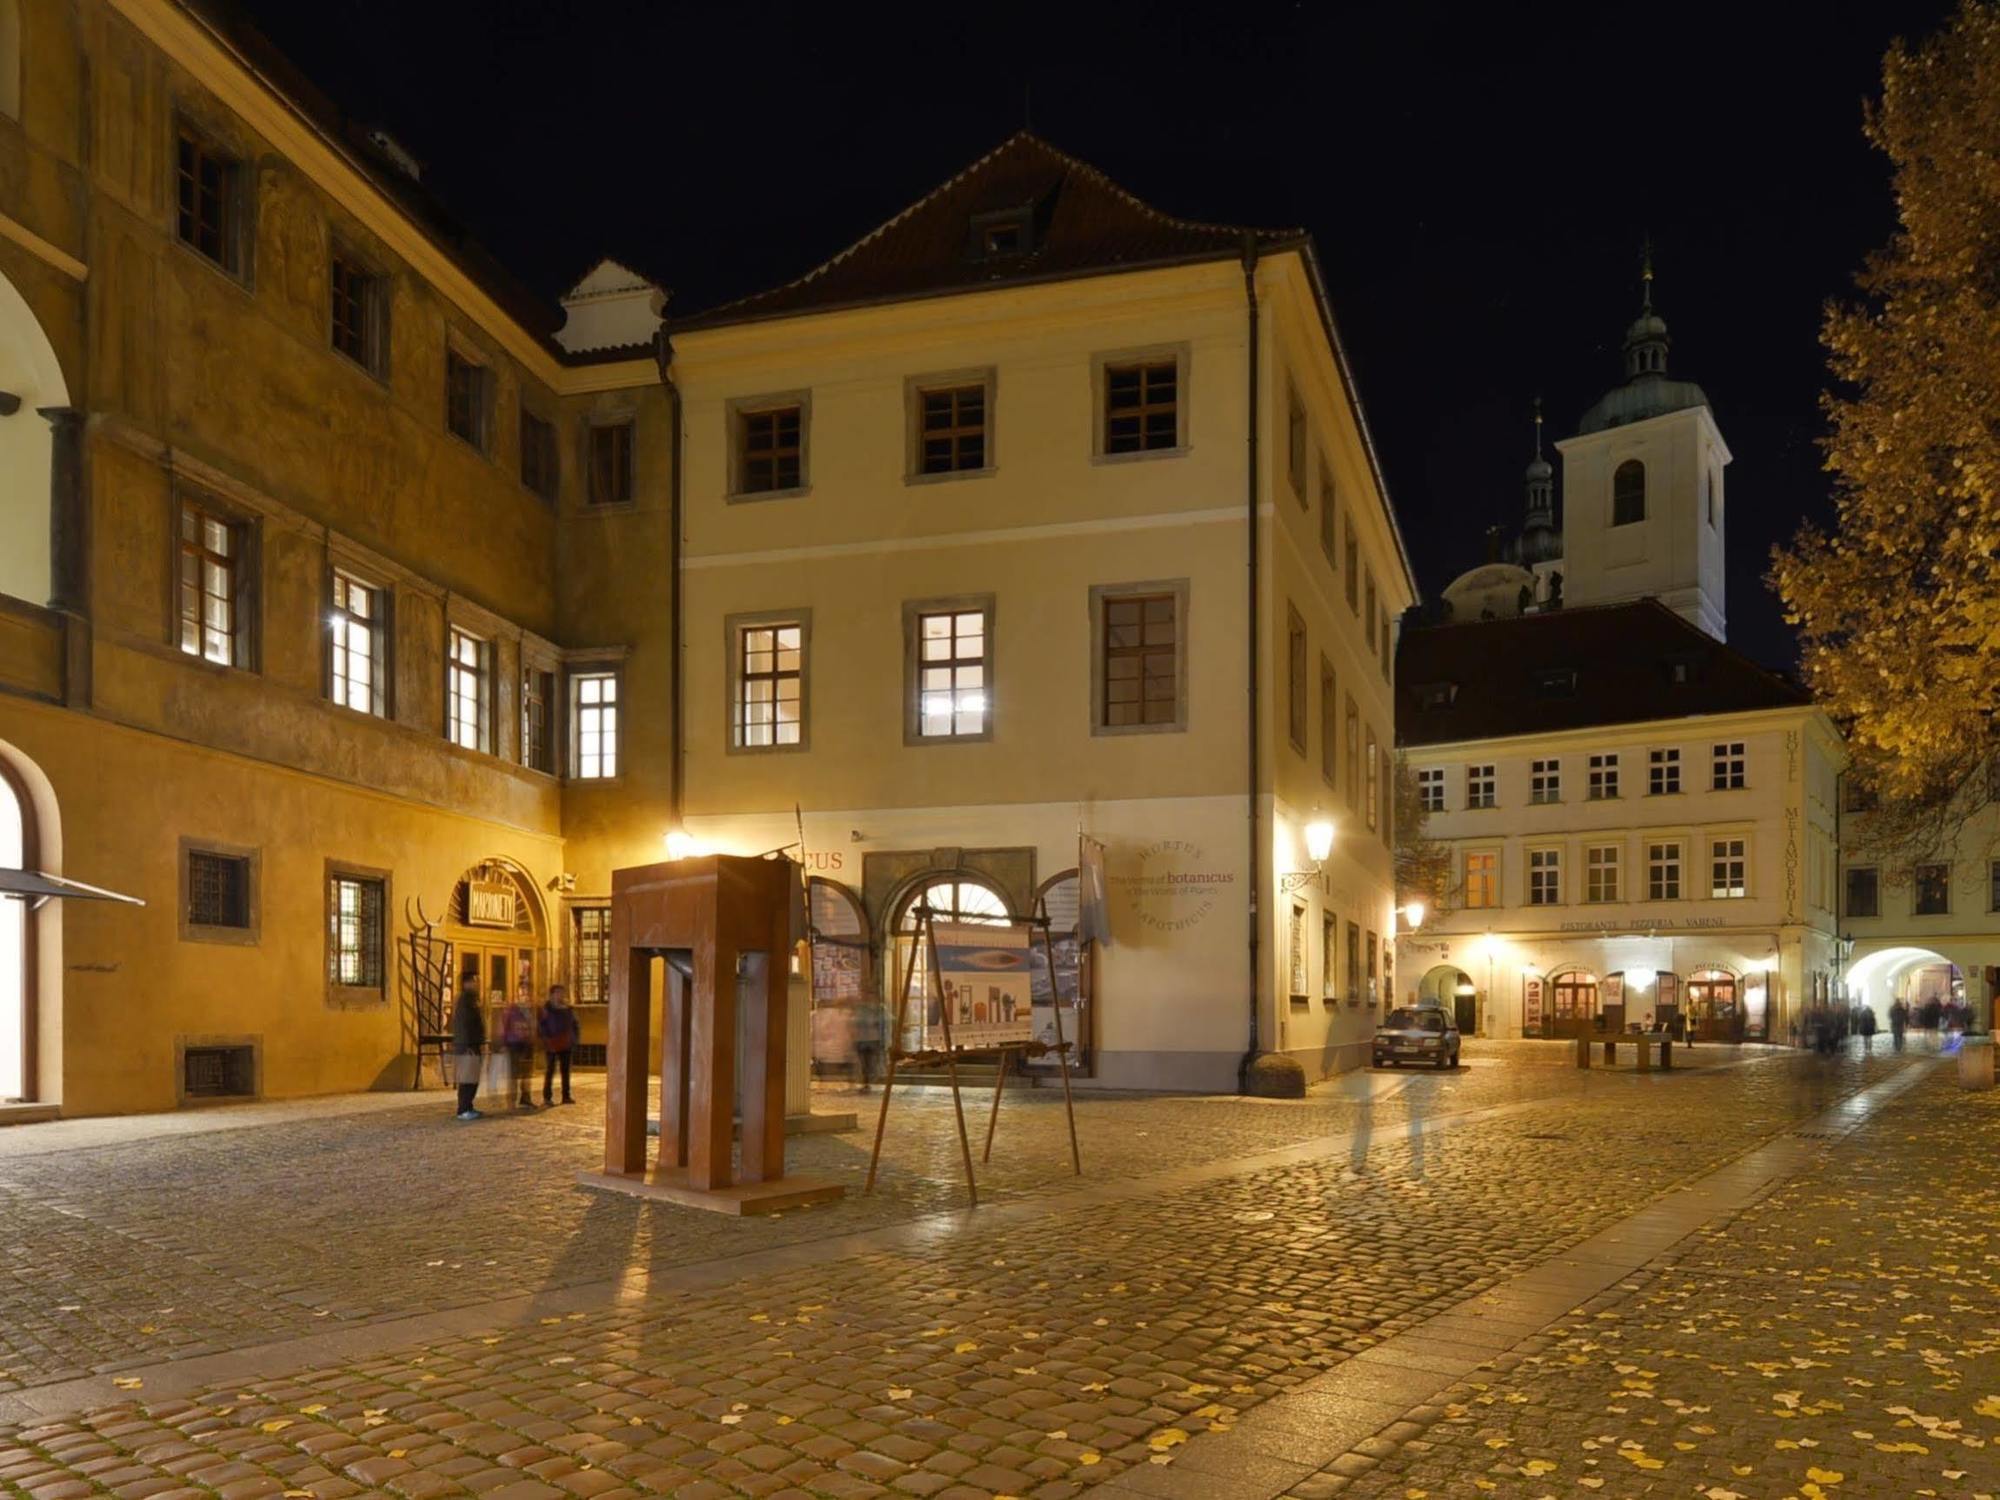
<point>1572,1006</point>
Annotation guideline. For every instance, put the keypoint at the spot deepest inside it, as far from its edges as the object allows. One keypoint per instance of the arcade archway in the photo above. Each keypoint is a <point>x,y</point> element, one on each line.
<point>951,898</point>
<point>1451,989</point>
<point>31,383</point>
<point>1922,978</point>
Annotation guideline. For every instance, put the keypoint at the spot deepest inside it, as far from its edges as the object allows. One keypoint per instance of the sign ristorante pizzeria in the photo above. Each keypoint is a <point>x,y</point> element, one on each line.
<point>1170,885</point>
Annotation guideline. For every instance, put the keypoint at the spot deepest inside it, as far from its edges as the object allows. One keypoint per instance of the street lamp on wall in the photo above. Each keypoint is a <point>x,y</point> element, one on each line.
<point>1319,844</point>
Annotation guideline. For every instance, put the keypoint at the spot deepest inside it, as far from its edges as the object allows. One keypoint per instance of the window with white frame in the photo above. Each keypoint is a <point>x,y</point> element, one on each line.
<point>1482,878</point>
<point>1728,774</point>
<point>1663,772</point>
<point>1600,873</point>
<point>356,644</point>
<point>1545,781</point>
<point>1480,785</point>
<point>468,699</point>
<point>1729,869</point>
<point>1603,784</point>
<point>1430,788</point>
<point>1544,877</point>
<point>213,608</point>
<point>593,707</point>
<point>770,707</point>
<point>951,653</point>
<point>1663,870</point>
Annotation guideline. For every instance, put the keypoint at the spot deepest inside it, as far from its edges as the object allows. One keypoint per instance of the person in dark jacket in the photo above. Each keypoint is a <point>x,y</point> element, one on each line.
<point>468,1041</point>
<point>558,1029</point>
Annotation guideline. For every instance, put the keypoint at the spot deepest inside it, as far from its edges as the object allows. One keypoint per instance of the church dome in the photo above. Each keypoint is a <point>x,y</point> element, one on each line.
<point>1539,469</point>
<point>1647,391</point>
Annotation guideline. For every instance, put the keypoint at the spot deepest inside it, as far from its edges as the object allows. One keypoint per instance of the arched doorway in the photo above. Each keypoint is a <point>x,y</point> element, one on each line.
<point>1572,1004</point>
<point>951,898</point>
<point>33,381</point>
<point>17,939</point>
<point>1451,989</point>
<point>1714,1006</point>
<point>498,932</point>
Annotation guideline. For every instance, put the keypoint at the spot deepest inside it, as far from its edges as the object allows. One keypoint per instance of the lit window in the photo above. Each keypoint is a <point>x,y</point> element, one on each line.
<point>1329,946</point>
<point>1600,873</point>
<point>1482,879</point>
<point>953,685</point>
<point>1728,767</point>
<point>590,956</point>
<point>1603,778</point>
<point>354,932</point>
<point>210,606</point>
<point>355,647</point>
<point>1430,788</point>
<point>771,678</point>
<point>1663,772</point>
<point>1729,869</point>
<point>594,697</point>
<point>468,694</point>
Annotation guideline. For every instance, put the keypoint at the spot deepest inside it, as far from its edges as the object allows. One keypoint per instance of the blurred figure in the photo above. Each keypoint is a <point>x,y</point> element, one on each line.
<point>1899,1022</point>
<point>1867,1030</point>
<point>468,1041</point>
<point>868,1030</point>
<point>517,1035</point>
<point>558,1028</point>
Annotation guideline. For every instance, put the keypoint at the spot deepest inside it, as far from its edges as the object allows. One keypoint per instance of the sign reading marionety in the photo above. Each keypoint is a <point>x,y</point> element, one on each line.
<point>1171,885</point>
<point>489,904</point>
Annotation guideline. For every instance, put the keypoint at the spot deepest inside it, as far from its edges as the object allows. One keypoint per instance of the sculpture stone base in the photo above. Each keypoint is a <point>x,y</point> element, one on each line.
<point>669,1185</point>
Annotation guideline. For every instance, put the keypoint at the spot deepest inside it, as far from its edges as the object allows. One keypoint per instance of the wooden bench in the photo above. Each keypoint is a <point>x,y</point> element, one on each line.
<point>1642,1043</point>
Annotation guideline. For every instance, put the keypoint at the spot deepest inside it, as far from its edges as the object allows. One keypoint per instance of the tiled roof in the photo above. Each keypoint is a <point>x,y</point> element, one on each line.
<point>1571,669</point>
<point>1082,224</point>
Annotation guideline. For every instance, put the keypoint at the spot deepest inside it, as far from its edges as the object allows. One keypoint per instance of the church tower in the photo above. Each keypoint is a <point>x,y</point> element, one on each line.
<point>1642,488</point>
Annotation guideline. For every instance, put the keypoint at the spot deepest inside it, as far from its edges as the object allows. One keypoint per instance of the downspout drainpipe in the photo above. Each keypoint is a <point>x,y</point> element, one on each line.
<point>1252,620</point>
<point>676,636</point>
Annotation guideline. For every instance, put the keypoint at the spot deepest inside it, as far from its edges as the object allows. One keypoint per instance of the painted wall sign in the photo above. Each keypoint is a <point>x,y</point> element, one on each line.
<point>489,903</point>
<point>1531,1005</point>
<point>1171,885</point>
<point>1649,924</point>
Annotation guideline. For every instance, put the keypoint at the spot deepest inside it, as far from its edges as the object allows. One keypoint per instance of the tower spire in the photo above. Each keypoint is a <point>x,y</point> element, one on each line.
<point>1538,427</point>
<point>1646,275</point>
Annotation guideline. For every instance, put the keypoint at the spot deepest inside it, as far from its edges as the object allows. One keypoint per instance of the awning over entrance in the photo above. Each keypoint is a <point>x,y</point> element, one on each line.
<point>33,885</point>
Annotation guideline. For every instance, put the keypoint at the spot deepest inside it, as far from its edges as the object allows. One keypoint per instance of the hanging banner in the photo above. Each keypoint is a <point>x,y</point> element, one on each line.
<point>985,975</point>
<point>1531,1007</point>
<point>1093,916</point>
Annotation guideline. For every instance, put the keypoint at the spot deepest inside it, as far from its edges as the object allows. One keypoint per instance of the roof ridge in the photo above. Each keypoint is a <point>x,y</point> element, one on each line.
<point>1019,137</point>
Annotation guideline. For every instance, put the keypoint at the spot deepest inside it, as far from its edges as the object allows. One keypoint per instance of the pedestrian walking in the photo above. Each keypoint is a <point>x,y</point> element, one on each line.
<point>867,1041</point>
<point>558,1029</point>
<point>1899,1022</point>
<point>1867,1029</point>
<point>468,1041</point>
<point>517,1035</point>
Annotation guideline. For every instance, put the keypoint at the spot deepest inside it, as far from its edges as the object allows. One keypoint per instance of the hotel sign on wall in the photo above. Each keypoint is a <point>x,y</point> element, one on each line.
<point>1170,885</point>
<point>489,903</point>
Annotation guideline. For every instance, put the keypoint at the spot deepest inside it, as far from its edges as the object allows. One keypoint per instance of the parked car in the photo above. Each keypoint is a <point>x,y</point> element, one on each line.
<point>1422,1033</point>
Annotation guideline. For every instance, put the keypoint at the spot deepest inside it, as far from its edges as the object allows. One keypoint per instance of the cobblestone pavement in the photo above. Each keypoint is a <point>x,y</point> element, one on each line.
<point>1840,1338</point>
<point>1083,1335</point>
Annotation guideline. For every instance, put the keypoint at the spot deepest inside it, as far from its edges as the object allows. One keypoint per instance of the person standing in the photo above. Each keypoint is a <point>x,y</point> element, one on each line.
<point>1867,1029</point>
<point>468,1041</point>
<point>558,1028</point>
<point>1899,1022</point>
<point>517,1034</point>
<point>867,1041</point>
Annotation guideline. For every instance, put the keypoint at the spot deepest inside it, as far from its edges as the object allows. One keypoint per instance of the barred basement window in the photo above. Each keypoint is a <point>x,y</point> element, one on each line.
<point>218,889</point>
<point>590,951</point>
<point>1141,407</point>
<point>354,931</point>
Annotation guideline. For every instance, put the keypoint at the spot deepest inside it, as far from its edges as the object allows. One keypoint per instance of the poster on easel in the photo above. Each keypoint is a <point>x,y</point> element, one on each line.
<point>983,974</point>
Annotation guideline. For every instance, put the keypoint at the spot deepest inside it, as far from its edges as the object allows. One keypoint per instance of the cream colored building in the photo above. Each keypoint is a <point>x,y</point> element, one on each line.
<point>319,553</point>
<point>1037,514</point>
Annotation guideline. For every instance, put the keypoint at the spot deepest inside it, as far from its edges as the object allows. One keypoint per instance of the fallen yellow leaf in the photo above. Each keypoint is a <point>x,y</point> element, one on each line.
<point>276,1424</point>
<point>1166,1438</point>
<point>1825,1476</point>
<point>1087,1457</point>
<point>127,1382</point>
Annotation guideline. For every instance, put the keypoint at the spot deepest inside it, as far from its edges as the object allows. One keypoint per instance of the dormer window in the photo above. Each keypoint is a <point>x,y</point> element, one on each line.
<point>1556,682</point>
<point>996,236</point>
<point>1436,694</point>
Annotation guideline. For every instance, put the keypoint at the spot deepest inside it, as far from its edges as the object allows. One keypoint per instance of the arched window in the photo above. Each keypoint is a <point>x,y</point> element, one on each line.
<point>1628,493</point>
<point>15,850</point>
<point>10,58</point>
<point>952,899</point>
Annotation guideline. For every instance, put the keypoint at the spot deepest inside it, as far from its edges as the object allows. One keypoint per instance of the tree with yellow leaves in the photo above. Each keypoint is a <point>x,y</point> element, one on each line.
<point>1898,607</point>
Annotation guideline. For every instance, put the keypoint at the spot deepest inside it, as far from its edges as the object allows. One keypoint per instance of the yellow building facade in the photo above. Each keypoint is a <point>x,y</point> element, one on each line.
<point>339,619</point>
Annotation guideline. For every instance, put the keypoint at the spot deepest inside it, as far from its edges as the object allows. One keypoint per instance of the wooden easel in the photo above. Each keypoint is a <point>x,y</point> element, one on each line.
<point>1006,1052</point>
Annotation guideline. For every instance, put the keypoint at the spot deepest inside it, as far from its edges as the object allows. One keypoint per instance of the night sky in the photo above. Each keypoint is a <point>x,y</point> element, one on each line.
<point>1479,184</point>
